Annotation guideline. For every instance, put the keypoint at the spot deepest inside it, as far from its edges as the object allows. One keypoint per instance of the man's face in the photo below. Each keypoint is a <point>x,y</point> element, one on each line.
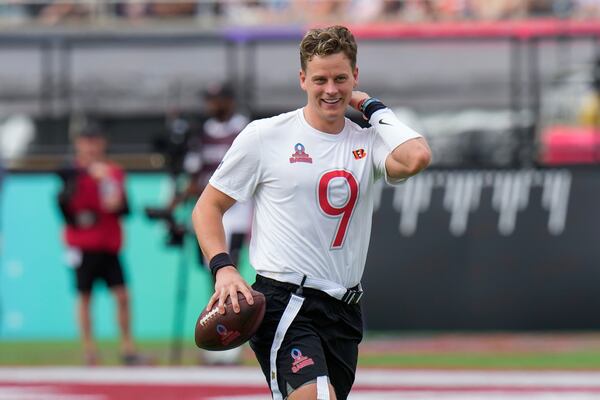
<point>90,148</point>
<point>328,82</point>
<point>220,107</point>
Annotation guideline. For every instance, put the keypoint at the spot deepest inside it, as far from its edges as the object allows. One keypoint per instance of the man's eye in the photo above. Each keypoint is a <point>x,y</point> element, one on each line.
<point>341,79</point>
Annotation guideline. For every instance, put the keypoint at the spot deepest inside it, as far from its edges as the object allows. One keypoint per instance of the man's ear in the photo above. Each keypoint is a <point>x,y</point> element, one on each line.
<point>355,74</point>
<point>302,76</point>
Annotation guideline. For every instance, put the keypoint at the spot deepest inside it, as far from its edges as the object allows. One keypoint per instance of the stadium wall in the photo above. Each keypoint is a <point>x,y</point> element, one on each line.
<point>487,250</point>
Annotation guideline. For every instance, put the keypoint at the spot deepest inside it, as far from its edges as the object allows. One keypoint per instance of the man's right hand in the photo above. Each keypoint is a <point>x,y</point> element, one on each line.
<point>228,282</point>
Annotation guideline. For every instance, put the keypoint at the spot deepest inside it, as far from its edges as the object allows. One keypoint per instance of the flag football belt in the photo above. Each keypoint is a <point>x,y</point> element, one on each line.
<point>293,281</point>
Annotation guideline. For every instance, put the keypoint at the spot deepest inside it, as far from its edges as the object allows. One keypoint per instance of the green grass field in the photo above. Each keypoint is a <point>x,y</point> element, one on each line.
<point>70,353</point>
<point>398,356</point>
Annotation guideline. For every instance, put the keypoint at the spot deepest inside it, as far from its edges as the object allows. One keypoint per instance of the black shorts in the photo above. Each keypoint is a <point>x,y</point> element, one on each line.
<point>321,341</point>
<point>98,265</point>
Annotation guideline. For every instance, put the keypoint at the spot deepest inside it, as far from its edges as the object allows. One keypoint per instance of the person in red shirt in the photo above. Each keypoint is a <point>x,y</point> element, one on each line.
<point>93,201</point>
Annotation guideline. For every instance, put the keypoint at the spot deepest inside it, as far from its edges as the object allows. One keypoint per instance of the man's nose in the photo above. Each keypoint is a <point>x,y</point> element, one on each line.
<point>331,87</point>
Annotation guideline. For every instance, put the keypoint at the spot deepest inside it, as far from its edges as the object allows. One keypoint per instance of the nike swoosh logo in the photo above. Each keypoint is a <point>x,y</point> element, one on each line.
<point>383,123</point>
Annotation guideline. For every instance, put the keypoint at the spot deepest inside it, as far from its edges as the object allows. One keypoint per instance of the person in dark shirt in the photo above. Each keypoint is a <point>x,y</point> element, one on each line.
<point>206,151</point>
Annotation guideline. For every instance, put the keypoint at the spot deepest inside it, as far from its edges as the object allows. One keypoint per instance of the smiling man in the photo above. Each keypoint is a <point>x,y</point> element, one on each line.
<point>311,174</point>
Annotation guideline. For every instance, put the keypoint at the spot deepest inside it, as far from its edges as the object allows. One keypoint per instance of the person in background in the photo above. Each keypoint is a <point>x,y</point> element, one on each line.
<point>93,201</point>
<point>56,12</point>
<point>174,9</point>
<point>206,151</point>
<point>586,9</point>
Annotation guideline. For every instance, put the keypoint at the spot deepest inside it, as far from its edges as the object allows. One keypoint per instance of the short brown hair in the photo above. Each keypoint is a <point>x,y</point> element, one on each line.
<point>327,41</point>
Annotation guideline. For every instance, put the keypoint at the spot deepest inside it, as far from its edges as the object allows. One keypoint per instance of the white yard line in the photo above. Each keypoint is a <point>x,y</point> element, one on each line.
<point>386,377</point>
<point>41,393</point>
<point>252,377</point>
<point>234,376</point>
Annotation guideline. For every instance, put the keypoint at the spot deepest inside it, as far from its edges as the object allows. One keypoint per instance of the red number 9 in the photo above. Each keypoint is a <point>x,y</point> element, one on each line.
<point>331,210</point>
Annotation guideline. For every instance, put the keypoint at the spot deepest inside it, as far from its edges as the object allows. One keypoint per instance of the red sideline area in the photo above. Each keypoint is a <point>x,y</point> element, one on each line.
<point>521,29</point>
<point>76,391</point>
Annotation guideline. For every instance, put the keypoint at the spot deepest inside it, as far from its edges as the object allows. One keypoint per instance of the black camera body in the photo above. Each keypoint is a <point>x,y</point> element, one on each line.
<point>176,232</point>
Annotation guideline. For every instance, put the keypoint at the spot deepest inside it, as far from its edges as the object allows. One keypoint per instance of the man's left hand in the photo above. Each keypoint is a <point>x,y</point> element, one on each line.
<point>357,97</point>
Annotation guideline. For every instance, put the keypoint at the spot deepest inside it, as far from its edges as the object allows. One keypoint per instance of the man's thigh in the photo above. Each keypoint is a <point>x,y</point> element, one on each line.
<point>86,271</point>
<point>301,358</point>
<point>311,391</point>
<point>112,270</point>
<point>340,343</point>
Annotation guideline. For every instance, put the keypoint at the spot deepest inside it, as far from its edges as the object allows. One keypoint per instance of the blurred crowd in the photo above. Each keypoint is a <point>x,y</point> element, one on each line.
<point>52,12</point>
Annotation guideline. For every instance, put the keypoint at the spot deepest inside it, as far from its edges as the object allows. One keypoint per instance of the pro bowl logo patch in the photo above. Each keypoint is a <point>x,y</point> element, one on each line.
<point>300,155</point>
<point>226,335</point>
<point>300,361</point>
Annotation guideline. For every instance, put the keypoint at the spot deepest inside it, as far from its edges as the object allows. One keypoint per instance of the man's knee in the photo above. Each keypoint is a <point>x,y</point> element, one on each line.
<point>85,298</point>
<point>311,392</point>
<point>121,295</point>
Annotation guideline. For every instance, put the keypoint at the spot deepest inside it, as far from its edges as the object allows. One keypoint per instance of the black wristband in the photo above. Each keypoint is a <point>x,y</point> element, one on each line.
<point>219,261</point>
<point>370,106</point>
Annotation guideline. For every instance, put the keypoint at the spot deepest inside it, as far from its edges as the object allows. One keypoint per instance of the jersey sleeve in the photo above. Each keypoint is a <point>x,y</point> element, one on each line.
<point>239,173</point>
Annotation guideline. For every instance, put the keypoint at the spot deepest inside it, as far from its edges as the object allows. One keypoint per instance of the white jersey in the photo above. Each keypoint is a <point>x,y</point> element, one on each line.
<point>313,195</point>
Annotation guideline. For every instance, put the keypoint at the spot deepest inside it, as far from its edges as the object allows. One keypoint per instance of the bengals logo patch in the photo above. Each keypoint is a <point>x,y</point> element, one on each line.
<point>358,154</point>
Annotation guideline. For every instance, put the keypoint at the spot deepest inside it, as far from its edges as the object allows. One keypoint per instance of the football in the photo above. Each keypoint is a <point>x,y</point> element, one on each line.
<point>223,332</point>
